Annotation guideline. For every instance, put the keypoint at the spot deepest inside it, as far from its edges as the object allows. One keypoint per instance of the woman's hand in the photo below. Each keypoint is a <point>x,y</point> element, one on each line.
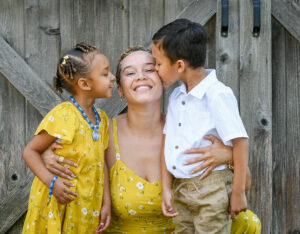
<point>51,161</point>
<point>167,204</point>
<point>105,217</point>
<point>213,155</point>
<point>61,192</point>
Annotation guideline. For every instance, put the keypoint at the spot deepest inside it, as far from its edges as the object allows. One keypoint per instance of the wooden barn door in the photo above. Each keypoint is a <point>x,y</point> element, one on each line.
<point>263,71</point>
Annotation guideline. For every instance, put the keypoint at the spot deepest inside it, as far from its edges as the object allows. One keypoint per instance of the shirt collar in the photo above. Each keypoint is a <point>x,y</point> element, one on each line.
<point>200,89</point>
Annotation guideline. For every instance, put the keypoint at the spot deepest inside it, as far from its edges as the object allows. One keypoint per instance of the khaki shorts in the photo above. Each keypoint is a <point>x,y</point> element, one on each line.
<point>203,204</point>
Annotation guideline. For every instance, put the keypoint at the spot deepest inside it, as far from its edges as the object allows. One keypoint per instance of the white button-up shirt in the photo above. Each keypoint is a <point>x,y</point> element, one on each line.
<point>209,108</point>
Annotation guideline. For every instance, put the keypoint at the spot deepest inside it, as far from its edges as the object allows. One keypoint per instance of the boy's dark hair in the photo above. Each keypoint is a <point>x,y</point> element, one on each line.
<point>73,63</point>
<point>183,39</point>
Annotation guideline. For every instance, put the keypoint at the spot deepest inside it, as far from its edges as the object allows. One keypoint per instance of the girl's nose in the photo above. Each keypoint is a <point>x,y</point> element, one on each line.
<point>112,77</point>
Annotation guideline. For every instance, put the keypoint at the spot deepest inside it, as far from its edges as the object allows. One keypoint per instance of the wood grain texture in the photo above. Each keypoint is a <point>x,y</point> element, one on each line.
<point>25,80</point>
<point>227,48</point>
<point>292,134</point>
<point>287,12</point>
<point>256,108</point>
<point>279,116</point>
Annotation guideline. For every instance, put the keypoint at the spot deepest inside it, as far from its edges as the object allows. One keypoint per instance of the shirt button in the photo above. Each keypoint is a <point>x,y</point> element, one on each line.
<point>176,146</point>
<point>174,167</point>
<point>179,124</point>
<point>183,102</point>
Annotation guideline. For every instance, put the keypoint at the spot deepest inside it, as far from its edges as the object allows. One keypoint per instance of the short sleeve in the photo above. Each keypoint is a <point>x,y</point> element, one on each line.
<point>224,111</point>
<point>60,123</point>
<point>105,121</point>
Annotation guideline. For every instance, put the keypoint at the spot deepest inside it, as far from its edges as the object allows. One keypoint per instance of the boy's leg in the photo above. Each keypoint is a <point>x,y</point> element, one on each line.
<point>211,213</point>
<point>184,221</point>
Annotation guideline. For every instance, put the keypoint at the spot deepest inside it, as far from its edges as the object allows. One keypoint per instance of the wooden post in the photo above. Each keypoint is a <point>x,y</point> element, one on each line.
<point>256,105</point>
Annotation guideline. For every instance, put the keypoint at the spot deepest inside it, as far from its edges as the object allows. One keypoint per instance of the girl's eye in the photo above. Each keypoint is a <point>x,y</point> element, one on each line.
<point>150,70</point>
<point>130,73</point>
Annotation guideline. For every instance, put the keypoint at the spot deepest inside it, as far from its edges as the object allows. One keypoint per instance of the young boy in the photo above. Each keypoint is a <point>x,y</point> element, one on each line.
<point>202,105</point>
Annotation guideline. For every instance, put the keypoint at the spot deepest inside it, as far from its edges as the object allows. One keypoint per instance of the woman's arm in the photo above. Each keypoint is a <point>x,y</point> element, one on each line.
<point>51,161</point>
<point>214,155</point>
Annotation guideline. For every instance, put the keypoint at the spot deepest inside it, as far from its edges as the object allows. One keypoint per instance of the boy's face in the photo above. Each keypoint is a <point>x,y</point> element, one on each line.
<point>166,70</point>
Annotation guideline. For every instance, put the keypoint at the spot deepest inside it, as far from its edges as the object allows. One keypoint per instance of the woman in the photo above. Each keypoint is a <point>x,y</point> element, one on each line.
<point>133,156</point>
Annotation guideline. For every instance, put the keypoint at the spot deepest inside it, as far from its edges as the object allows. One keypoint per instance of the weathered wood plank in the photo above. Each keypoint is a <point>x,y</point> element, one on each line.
<point>292,134</point>
<point>227,48</point>
<point>279,128</point>
<point>12,133</point>
<point>287,12</point>
<point>112,36</point>
<point>145,18</point>
<point>255,106</point>
<point>25,80</point>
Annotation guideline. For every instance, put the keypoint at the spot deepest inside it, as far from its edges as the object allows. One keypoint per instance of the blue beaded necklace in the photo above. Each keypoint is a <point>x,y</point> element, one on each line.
<point>95,128</point>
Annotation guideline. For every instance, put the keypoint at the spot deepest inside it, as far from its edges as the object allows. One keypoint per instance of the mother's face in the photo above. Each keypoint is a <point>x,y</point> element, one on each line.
<point>140,82</point>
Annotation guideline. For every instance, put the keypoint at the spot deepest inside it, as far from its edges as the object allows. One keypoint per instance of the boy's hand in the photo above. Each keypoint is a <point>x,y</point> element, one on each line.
<point>238,203</point>
<point>61,191</point>
<point>168,204</point>
<point>104,219</point>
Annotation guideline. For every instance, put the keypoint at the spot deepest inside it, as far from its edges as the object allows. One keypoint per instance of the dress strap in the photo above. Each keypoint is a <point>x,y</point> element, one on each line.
<point>116,142</point>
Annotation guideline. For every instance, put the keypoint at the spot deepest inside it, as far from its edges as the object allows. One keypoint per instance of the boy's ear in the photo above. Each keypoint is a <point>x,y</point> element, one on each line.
<point>84,84</point>
<point>180,65</point>
<point>120,90</point>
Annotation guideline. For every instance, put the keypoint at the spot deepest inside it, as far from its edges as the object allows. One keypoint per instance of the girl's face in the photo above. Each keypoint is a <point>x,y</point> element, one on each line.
<point>102,80</point>
<point>140,82</point>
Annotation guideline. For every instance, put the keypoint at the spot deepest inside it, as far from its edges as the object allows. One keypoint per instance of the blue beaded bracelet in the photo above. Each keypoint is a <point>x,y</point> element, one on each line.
<point>51,188</point>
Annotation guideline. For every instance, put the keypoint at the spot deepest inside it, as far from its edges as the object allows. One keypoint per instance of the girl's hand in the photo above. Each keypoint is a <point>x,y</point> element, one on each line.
<point>61,192</point>
<point>51,160</point>
<point>213,155</point>
<point>105,218</point>
<point>167,204</point>
<point>238,203</point>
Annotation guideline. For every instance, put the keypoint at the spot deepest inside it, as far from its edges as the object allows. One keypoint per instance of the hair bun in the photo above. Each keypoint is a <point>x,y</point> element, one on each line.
<point>85,48</point>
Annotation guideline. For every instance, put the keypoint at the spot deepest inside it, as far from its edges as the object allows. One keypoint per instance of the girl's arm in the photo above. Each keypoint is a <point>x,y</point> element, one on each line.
<point>32,157</point>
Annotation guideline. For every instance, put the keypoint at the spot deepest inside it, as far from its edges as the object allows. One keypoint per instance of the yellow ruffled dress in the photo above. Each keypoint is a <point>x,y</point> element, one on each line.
<point>66,123</point>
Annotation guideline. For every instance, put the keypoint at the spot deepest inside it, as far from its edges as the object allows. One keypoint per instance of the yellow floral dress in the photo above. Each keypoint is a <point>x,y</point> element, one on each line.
<point>66,123</point>
<point>136,203</point>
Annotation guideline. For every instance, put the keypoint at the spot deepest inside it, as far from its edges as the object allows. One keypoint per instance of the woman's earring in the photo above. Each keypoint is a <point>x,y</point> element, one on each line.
<point>122,98</point>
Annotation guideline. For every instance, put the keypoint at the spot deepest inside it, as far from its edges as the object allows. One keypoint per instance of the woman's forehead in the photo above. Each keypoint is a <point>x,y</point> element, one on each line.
<point>138,58</point>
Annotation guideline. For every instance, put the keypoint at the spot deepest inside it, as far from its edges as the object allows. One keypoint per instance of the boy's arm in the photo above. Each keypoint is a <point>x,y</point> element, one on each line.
<point>248,179</point>
<point>238,200</point>
<point>166,179</point>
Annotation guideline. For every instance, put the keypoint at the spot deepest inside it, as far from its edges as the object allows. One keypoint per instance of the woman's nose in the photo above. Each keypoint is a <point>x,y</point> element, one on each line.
<point>141,75</point>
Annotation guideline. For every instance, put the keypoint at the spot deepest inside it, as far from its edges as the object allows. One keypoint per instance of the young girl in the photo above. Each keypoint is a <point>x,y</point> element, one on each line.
<point>82,130</point>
